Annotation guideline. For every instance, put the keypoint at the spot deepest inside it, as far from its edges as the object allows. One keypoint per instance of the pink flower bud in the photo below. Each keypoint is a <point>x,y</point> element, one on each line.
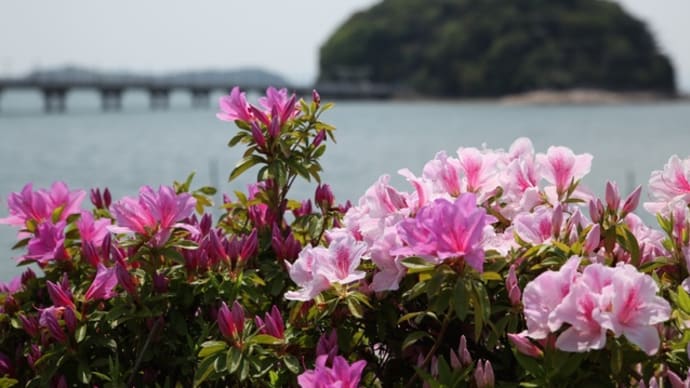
<point>96,199</point>
<point>125,279</point>
<point>484,374</point>
<point>59,296</point>
<point>70,320</point>
<point>6,365</point>
<point>316,97</point>
<point>465,357</point>
<point>596,210</point>
<point>27,276</point>
<point>250,245</point>
<point>631,202</point>
<point>272,324</point>
<point>30,325</point>
<point>160,283</point>
<point>514,293</point>
<point>613,197</point>
<point>49,320</point>
<point>107,198</point>
<point>231,321</point>
<point>258,136</point>
<point>328,345</point>
<point>323,197</point>
<point>319,138</point>
<point>274,127</point>
<point>592,240</point>
<point>304,209</point>
<point>525,346</point>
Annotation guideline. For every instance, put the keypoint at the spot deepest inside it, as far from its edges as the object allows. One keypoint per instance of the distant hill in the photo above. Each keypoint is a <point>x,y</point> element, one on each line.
<point>248,76</point>
<point>496,47</point>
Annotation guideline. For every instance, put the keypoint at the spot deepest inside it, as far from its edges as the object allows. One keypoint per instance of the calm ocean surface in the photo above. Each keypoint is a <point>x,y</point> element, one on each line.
<point>124,150</point>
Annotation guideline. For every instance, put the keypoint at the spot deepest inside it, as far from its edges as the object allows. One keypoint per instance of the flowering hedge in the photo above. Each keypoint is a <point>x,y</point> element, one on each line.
<point>496,268</point>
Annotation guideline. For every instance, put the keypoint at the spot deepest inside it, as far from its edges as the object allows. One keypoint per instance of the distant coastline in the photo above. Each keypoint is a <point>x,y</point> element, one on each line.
<point>586,97</point>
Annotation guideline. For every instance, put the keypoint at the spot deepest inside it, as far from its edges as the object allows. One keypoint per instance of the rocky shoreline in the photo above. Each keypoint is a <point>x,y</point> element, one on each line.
<point>585,97</point>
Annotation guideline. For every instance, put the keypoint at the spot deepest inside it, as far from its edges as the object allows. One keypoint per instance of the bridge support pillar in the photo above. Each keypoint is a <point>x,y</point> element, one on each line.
<point>160,98</point>
<point>201,98</point>
<point>111,99</point>
<point>54,100</point>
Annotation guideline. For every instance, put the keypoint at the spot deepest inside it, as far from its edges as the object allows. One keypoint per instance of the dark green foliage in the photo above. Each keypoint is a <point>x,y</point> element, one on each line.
<point>496,47</point>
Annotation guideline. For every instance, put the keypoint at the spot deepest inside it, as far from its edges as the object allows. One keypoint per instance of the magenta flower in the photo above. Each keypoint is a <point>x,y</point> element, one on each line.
<point>272,324</point>
<point>444,229</point>
<point>231,321</point>
<point>48,244</point>
<point>153,214</point>
<point>234,107</point>
<point>341,374</point>
<point>92,230</point>
<point>39,206</point>
<point>103,284</point>
<point>560,166</point>
<point>279,105</point>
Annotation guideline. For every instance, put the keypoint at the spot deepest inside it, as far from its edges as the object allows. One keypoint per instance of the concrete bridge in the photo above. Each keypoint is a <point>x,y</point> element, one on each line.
<point>54,91</point>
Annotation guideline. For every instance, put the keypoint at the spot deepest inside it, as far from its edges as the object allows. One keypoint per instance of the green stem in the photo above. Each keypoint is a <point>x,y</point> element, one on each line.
<point>140,357</point>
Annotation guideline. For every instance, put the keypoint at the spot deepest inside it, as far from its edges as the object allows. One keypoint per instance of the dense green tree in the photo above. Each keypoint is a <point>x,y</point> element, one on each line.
<point>497,47</point>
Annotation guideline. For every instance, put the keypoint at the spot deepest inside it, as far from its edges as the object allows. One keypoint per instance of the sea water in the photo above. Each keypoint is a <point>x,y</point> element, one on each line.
<point>124,150</point>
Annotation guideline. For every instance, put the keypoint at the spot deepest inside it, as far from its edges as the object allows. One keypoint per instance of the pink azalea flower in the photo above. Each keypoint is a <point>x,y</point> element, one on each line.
<point>543,294</point>
<point>48,244</point>
<point>444,173</point>
<point>231,321</point>
<point>581,309</point>
<point>39,206</point>
<point>278,104</point>
<point>153,214</point>
<point>560,166</point>
<point>103,284</point>
<point>480,169</point>
<point>442,230</point>
<point>390,270</point>
<point>92,230</point>
<point>538,227</point>
<point>635,308</point>
<point>341,374</point>
<point>234,107</point>
<point>381,199</point>
<point>317,268</point>
<point>671,183</point>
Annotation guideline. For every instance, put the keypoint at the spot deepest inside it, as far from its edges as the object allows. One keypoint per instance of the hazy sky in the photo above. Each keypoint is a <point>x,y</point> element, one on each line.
<point>283,36</point>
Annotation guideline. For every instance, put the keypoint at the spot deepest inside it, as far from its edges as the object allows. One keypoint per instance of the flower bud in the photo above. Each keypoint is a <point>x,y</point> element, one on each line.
<point>514,293</point>
<point>613,197</point>
<point>160,283</point>
<point>59,296</point>
<point>484,374</point>
<point>323,197</point>
<point>319,138</point>
<point>231,321</point>
<point>258,136</point>
<point>30,325</point>
<point>328,344</point>
<point>316,97</point>
<point>596,210</point>
<point>556,220</point>
<point>525,346</point>
<point>632,201</point>
<point>70,320</point>
<point>96,199</point>
<point>272,324</point>
<point>592,240</point>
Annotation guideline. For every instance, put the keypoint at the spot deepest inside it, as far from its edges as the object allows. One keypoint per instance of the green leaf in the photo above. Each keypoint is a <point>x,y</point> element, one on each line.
<point>211,347</point>
<point>683,300</point>
<point>208,190</point>
<point>83,373</point>
<point>416,264</point>
<point>21,243</point>
<point>80,334</point>
<point>461,299</point>
<point>245,164</point>
<point>234,358</point>
<point>414,337</point>
<point>629,242</point>
<point>487,276</point>
<point>204,370</point>
<point>265,339</point>
<point>292,363</point>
